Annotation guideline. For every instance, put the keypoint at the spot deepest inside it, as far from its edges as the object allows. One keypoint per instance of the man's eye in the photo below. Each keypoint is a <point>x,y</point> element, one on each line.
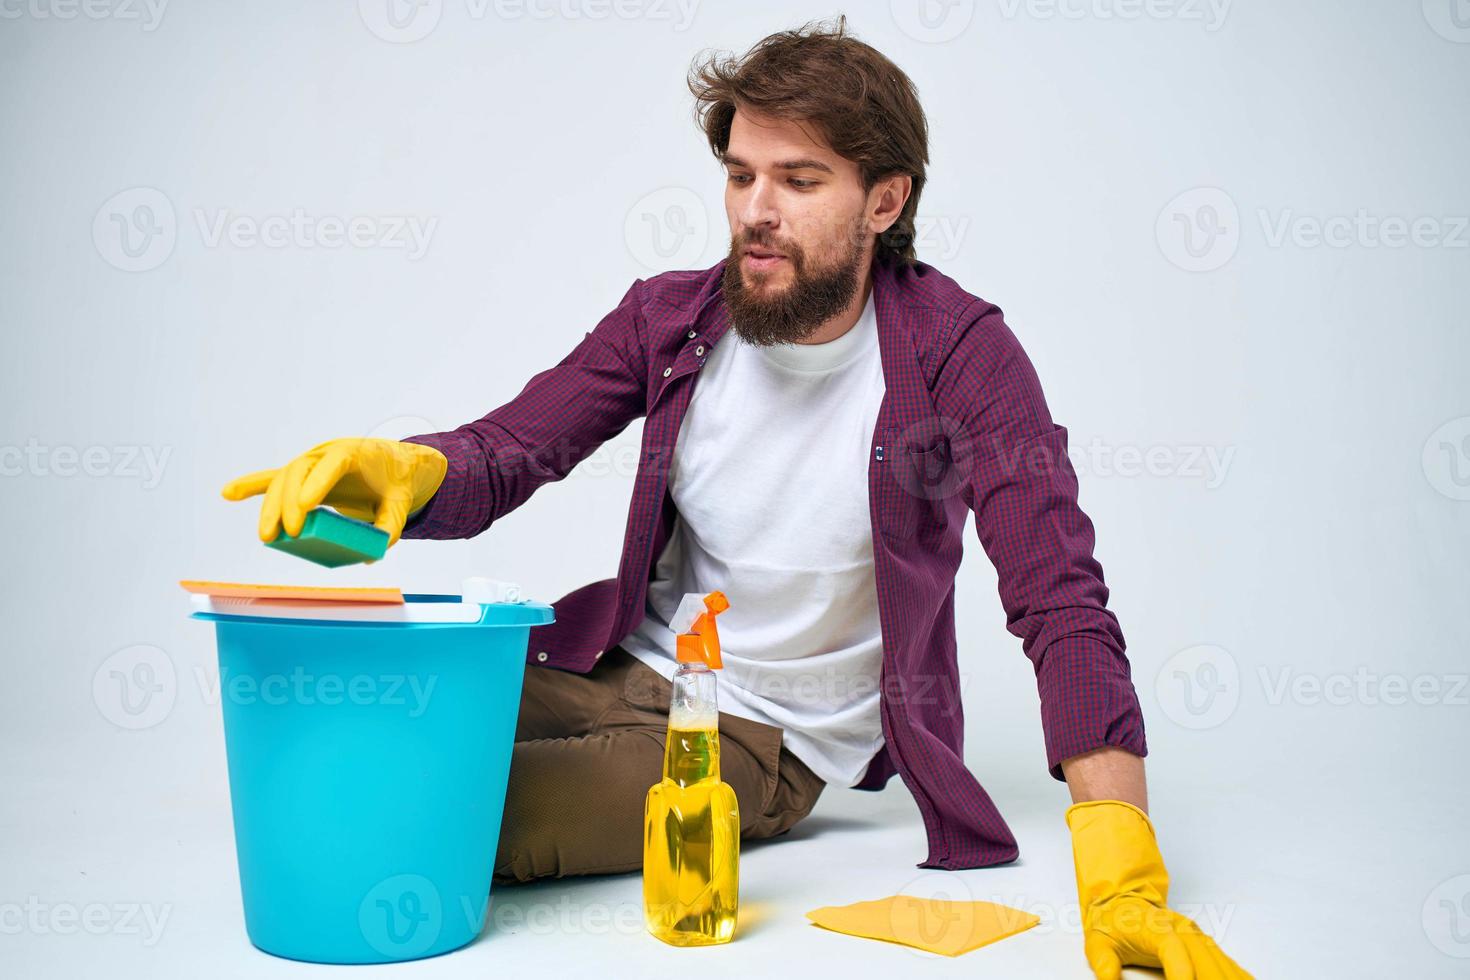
<point>801,184</point>
<point>738,178</point>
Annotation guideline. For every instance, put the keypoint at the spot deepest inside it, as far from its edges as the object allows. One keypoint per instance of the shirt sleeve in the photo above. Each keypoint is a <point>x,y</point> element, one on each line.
<point>1023,490</point>
<point>561,416</point>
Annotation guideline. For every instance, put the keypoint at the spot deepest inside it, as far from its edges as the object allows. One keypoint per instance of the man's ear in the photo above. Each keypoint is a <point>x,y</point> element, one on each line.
<point>886,201</point>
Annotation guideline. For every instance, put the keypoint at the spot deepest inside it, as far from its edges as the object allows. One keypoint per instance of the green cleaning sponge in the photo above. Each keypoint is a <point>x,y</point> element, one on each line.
<point>330,539</point>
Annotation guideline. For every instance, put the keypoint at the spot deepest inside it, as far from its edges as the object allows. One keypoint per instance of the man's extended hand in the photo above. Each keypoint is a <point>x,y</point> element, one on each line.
<point>1124,890</point>
<point>376,480</point>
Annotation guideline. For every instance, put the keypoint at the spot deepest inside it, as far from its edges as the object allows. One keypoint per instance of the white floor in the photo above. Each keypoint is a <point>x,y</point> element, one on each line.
<point>146,845</point>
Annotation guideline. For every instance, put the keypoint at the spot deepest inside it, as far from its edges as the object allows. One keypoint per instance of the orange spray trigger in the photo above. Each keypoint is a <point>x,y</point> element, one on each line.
<point>694,621</point>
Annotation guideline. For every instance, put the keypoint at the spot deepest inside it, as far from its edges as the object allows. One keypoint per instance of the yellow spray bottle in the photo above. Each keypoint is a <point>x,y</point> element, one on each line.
<point>691,839</point>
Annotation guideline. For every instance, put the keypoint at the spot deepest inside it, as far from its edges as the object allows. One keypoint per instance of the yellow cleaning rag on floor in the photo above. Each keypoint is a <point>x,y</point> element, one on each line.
<point>938,925</point>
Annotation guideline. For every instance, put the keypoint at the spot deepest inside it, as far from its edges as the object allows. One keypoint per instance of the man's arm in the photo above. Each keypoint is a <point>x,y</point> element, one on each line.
<point>1106,774</point>
<point>562,415</point>
<point>1022,489</point>
<point>1024,495</point>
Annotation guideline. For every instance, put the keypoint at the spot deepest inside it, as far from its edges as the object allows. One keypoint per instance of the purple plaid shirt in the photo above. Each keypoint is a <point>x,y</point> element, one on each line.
<point>963,426</point>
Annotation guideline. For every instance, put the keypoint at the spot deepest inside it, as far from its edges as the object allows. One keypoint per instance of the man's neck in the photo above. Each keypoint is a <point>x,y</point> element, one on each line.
<point>847,319</point>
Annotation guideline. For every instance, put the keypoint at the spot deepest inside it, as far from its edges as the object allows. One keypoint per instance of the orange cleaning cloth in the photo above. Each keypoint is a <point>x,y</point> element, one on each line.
<point>312,593</point>
<point>937,925</point>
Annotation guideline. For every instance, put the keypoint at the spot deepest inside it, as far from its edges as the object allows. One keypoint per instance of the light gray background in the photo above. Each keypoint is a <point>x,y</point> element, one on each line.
<point>1280,606</point>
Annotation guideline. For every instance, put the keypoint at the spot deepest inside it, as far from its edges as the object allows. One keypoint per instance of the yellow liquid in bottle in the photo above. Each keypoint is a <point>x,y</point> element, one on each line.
<point>691,845</point>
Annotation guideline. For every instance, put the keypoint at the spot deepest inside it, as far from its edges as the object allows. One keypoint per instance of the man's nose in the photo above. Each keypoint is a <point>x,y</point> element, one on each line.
<point>758,207</point>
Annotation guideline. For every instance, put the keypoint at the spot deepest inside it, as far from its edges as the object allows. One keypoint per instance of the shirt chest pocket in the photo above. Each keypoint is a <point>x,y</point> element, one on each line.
<point>924,474</point>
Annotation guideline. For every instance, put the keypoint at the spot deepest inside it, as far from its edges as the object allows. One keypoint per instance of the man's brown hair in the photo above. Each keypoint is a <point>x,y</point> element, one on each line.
<point>860,102</point>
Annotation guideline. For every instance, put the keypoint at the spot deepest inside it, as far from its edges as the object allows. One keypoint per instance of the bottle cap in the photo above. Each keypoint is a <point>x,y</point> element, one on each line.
<point>694,621</point>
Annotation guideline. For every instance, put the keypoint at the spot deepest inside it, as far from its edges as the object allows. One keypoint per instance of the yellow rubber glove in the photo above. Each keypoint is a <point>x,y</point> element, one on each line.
<point>377,480</point>
<point>1124,890</point>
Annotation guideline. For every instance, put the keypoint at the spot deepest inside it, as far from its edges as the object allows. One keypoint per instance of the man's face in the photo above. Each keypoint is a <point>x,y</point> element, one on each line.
<point>799,230</point>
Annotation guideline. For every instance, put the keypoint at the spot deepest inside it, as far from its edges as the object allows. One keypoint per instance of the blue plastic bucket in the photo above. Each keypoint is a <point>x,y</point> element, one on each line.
<point>368,767</point>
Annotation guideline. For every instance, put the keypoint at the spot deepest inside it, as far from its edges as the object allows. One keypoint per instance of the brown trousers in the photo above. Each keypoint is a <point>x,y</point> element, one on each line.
<point>589,746</point>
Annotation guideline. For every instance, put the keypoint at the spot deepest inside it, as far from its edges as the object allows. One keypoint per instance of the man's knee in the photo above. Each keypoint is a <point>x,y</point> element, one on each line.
<point>575,806</point>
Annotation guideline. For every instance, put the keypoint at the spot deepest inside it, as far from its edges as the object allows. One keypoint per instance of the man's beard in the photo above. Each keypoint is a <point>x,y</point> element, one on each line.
<point>789,316</point>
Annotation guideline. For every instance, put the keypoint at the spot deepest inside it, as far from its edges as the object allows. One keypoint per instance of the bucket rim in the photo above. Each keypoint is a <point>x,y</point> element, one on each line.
<point>497,614</point>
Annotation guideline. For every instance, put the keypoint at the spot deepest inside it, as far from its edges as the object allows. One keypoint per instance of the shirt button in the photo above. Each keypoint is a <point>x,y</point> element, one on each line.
<point>541,656</point>
<point>699,351</point>
<point>692,334</point>
<point>668,371</point>
<point>597,655</point>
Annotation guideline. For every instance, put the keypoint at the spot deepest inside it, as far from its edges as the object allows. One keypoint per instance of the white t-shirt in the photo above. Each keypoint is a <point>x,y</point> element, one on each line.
<point>770,477</point>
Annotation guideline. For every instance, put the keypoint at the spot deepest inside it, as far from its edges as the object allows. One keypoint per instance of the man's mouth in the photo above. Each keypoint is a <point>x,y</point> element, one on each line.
<point>762,258</point>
